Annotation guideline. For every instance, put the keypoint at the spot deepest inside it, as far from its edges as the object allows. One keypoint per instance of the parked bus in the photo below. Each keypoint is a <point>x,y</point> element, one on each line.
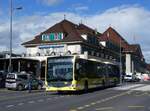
<point>73,73</point>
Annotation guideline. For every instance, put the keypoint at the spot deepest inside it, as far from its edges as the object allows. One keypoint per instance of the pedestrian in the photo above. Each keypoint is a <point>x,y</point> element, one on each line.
<point>29,84</point>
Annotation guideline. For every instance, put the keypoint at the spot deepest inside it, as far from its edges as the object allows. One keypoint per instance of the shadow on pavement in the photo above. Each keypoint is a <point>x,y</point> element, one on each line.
<point>81,91</point>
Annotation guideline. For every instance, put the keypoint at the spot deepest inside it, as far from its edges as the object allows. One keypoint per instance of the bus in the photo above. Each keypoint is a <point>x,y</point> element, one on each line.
<point>74,73</point>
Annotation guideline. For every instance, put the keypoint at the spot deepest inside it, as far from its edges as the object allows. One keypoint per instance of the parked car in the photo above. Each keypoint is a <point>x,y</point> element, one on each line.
<point>128,78</point>
<point>131,78</point>
<point>20,81</point>
<point>2,79</point>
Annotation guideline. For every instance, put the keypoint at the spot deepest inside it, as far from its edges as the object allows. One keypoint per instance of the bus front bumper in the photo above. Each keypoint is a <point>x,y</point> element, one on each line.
<point>55,89</point>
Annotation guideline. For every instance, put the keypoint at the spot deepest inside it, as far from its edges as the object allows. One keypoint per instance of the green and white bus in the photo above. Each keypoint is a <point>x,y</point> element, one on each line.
<point>73,73</point>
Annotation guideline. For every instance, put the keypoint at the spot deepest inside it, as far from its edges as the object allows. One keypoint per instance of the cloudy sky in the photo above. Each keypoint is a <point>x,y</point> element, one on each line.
<point>131,18</point>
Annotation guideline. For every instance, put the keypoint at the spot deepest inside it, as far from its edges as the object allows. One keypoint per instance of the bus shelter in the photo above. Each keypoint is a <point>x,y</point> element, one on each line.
<point>36,67</point>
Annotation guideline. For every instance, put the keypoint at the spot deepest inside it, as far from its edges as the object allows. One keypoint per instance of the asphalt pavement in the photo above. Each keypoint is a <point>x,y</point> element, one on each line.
<point>126,97</point>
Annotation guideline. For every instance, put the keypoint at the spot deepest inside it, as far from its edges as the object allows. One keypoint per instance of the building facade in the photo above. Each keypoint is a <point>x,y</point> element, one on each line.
<point>65,38</point>
<point>131,56</point>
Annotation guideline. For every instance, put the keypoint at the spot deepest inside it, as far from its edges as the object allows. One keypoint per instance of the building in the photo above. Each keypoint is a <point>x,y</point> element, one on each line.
<point>131,55</point>
<point>66,38</point>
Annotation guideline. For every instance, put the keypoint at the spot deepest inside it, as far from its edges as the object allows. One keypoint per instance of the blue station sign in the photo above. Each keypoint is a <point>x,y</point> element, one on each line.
<point>50,46</point>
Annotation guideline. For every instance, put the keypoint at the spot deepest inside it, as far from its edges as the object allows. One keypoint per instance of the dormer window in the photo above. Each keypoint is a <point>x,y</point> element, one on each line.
<point>84,36</point>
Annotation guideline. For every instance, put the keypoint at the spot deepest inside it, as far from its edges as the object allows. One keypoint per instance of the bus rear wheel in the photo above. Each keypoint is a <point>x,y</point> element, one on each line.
<point>115,83</point>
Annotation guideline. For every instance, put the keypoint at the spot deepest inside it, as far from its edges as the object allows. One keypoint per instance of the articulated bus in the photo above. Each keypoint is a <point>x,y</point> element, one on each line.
<point>73,73</point>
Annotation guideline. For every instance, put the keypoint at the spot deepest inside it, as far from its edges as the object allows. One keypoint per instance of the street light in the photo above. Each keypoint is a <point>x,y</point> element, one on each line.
<point>120,63</point>
<point>11,31</point>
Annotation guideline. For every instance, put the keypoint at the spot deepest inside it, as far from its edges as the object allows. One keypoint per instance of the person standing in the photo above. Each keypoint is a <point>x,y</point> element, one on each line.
<point>29,84</point>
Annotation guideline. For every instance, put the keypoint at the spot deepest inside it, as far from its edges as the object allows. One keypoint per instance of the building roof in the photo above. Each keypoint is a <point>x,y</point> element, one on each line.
<point>148,67</point>
<point>72,32</point>
<point>112,35</point>
<point>135,49</point>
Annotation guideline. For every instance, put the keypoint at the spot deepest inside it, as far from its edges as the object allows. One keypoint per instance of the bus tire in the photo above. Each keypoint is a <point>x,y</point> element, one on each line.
<point>39,87</point>
<point>86,87</point>
<point>115,83</point>
<point>19,87</point>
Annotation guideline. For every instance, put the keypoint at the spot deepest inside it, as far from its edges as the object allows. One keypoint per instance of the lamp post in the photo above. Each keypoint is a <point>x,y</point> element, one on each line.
<point>11,32</point>
<point>120,62</point>
<point>10,44</point>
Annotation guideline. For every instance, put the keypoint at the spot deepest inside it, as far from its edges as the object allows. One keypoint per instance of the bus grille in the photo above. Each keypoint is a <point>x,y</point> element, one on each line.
<point>60,84</point>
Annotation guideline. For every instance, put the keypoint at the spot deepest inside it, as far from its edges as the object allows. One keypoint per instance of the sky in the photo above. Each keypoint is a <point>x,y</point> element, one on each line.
<point>131,18</point>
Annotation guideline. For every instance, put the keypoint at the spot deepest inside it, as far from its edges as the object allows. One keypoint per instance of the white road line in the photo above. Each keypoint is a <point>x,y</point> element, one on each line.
<point>56,97</point>
<point>20,104</point>
<point>40,100</point>
<point>103,100</point>
<point>98,102</point>
<point>87,105</point>
<point>93,103</point>
<point>48,98</point>
<point>104,108</point>
<point>8,106</point>
<point>127,87</point>
<point>80,108</point>
<point>31,102</point>
<point>144,88</point>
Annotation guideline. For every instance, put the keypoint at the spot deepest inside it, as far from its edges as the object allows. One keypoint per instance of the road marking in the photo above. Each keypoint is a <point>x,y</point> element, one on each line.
<point>48,98</point>
<point>56,97</point>
<point>128,87</point>
<point>141,94</point>
<point>28,95</point>
<point>87,105</point>
<point>135,106</point>
<point>104,108</point>
<point>73,110</point>
<point>20,104</point>
<point>62,96</point>
<point>98,102</point>
<point>104,100</point>
<point>80,108</point>
<point>93,103</point>
<point>144,88</point>
<point>40,100</point>
<point>31,102</point>
<point>8,106</point>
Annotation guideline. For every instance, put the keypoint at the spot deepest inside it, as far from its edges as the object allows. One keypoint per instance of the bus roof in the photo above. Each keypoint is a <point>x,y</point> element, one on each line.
<point>92,58</point>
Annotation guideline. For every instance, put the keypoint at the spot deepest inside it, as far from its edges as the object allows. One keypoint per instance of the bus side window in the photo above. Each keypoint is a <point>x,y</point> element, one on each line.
<point>80,69</point>
<point>77,66</point>
<point>100,70</point>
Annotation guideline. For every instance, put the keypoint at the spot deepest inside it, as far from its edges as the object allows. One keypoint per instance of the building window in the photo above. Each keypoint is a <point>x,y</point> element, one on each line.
<point>97,54</point>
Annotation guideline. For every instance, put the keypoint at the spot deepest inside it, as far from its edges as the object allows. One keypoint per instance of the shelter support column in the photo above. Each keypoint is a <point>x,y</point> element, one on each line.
<point>19,64</point>
<point>38,70</point>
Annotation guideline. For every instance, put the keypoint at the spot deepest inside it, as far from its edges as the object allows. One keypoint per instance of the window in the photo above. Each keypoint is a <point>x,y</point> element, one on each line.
<point>24,77</point>
<point>60,69</point>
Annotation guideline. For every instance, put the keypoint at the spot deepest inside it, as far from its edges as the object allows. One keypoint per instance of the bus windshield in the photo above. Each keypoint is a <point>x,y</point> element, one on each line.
<point>60,69</point>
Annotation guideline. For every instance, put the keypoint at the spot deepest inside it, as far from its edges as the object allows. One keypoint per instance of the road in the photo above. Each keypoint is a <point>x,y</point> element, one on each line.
<point>128,97</point>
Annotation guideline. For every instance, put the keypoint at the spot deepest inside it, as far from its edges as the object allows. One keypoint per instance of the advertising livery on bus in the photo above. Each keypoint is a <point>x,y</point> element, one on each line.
<point>73,73</point>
